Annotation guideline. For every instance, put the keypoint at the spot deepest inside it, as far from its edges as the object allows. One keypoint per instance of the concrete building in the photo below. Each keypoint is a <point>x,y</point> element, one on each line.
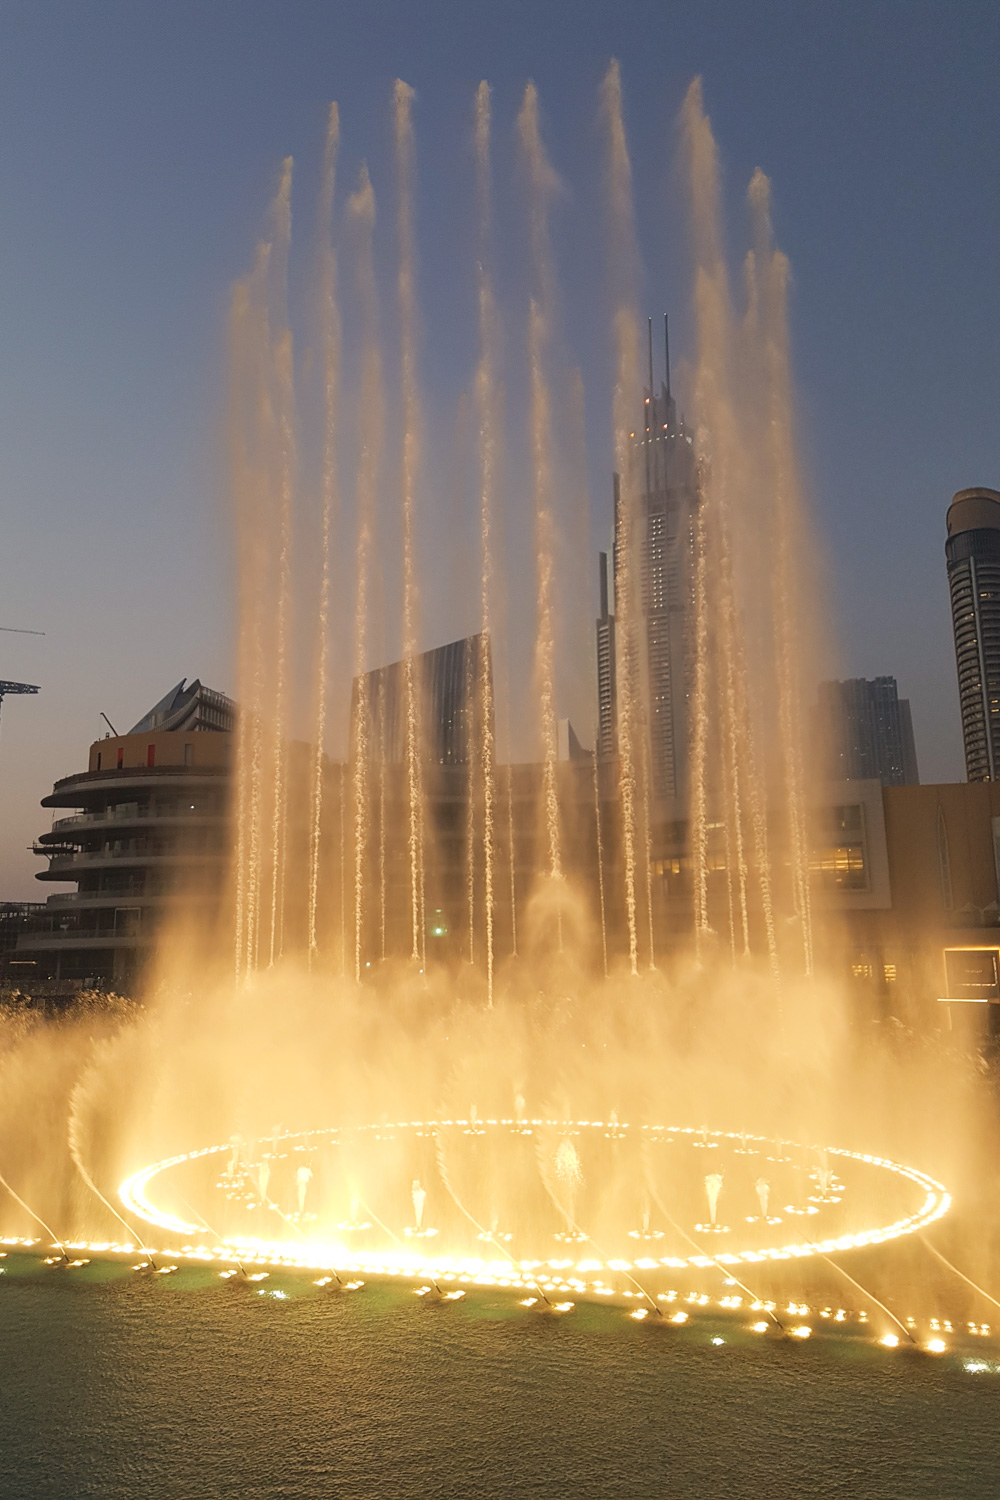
<point>973,557</point>
<point>864,731</point>
<point>924,924</point>
<point>140,833</point>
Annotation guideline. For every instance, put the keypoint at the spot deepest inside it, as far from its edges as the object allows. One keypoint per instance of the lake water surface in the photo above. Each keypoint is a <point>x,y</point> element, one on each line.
<point>118,1385</point>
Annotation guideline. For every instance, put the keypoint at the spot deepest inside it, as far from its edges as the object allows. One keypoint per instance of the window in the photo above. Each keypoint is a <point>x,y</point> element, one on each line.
<point>150,756</point>
<point>121,756</point>
<point>188,754</point>
<point>841,866</point>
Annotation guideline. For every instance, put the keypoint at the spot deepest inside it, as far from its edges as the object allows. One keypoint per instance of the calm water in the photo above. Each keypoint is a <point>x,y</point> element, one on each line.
<point>115,1386</point>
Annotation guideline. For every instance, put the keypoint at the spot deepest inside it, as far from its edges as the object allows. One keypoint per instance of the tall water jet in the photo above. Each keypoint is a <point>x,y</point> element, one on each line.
<point>284,384</point>
<point>406,292</point>
<point>770,275</point>
<point>256,472</point>
<point>361,211</point>
<point>382,829</point>
<point>248,670</point>
<point>512,860</point>
<point>330,341</point>
<point>486,409</point>
<point>625,277</point>
<point>470,687</point>
<point>726,476</point>
<point>542,181</point>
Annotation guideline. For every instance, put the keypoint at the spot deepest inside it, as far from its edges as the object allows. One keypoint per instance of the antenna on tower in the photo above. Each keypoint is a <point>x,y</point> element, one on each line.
<point>666,341</point>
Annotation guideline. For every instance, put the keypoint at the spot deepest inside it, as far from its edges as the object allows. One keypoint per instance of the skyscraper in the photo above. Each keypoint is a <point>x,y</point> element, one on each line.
<point>448,697</point>
<point>865,732</point>
<point>973,555</point>
<point>668,503</point>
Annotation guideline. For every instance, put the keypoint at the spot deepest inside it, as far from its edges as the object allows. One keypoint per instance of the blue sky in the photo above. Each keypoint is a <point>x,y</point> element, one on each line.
<point>140,144</point>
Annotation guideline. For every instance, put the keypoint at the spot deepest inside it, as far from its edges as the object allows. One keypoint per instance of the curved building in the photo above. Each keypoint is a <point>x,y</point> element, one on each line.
<point>973,554</point>
<point>140,833</point>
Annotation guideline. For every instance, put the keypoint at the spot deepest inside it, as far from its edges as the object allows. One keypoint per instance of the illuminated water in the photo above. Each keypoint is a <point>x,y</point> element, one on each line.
<point>116,1387</point>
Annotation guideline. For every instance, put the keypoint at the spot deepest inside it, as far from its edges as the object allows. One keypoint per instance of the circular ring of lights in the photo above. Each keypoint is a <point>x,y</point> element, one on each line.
<point>137,1197</point>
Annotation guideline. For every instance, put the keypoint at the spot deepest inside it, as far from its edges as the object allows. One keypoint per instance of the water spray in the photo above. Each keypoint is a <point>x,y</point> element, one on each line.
<point>37,1218</point>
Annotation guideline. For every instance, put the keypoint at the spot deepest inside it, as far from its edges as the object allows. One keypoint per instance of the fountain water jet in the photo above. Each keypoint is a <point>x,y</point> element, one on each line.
<point>330,335</point>
<point>406,293</point>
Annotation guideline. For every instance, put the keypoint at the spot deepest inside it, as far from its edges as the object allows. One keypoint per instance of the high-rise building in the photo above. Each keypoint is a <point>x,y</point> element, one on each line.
<point>865,732</point>
<point>973,555</point>
<point>448,681</point>
<point>668,502</point>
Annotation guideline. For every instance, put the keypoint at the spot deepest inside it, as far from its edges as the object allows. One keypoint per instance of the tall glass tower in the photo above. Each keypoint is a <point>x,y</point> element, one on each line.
<point>973,554</point>
<point>668,505</point>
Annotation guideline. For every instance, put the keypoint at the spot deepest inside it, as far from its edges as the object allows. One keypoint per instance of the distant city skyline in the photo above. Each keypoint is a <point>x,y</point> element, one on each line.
<point>143,146</point>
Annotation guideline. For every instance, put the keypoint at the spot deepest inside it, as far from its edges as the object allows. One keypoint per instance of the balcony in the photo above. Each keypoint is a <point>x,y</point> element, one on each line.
<point>175,816</point>
<point>63,865</point>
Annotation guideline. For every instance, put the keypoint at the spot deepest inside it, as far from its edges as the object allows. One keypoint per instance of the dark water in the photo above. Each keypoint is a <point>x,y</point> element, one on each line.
<point>187,1387</point>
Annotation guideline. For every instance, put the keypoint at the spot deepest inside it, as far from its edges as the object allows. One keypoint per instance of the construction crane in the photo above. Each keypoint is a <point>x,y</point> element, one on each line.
<point>9,689</point>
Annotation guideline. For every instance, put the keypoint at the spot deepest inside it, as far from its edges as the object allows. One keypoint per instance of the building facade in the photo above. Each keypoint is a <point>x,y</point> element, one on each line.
<point>973,557</point>
<point>865,732</point>
<point>449,682</point>
<point>141,833</point>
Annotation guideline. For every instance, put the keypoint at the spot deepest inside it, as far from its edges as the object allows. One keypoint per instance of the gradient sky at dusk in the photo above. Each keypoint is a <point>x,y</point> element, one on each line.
<point>141,145</point>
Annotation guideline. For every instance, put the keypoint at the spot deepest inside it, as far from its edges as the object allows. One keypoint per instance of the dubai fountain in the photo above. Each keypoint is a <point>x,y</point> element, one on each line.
<point>567,1104</point>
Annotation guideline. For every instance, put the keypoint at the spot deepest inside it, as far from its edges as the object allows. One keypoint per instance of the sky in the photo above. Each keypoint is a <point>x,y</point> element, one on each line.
<point>143,142</point>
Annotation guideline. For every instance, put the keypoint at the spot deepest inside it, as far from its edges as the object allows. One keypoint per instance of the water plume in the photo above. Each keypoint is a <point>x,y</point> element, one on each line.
<point>623,259</point>
<point>406,293</point>
<point>730,693</point>
<point>330,341</point>
<point>284,387</point>
<point>75,1151</point>
<point>361,211</point>
<point>542,182</point>
<point>770,287</point>
<point>37,1217</point>
<point>486,402</point>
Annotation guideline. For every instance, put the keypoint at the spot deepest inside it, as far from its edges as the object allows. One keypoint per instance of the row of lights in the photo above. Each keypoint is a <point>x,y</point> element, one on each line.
<point>678,1317</point>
